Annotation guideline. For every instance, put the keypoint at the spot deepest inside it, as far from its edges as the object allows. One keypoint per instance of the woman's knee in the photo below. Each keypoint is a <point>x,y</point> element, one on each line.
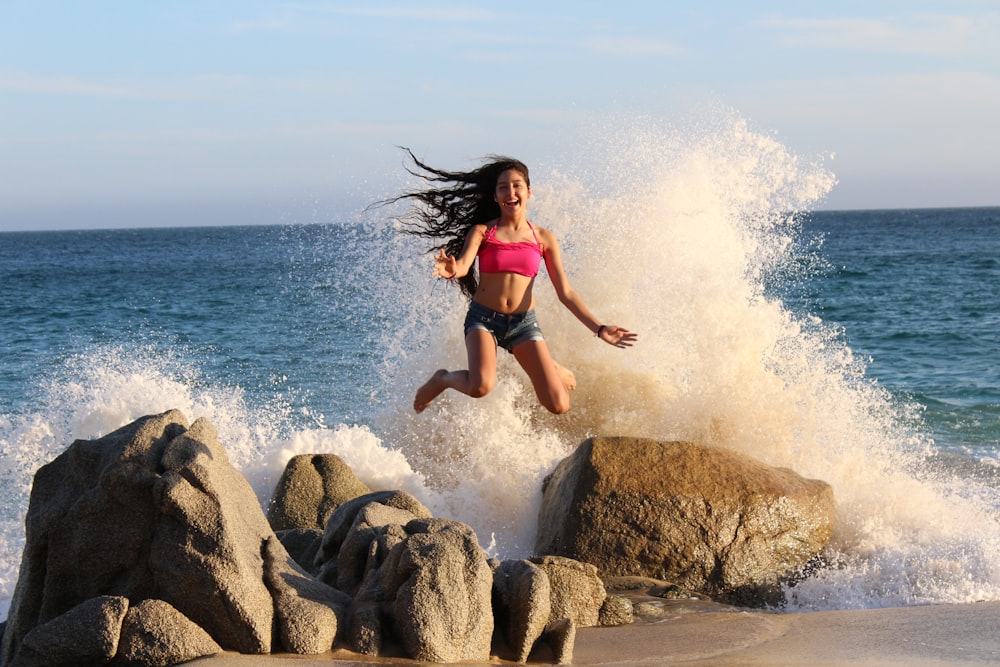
<point>479,387</point>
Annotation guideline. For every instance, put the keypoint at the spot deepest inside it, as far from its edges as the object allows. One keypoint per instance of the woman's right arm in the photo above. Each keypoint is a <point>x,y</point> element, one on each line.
<point>451,267</point>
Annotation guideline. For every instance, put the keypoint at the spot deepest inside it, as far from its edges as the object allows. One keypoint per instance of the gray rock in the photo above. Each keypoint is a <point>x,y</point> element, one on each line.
<point>307,612</point>
<point>155,511</point>
<point>85,534</point>
<point>561,636</point>
<point>85,634</point>
<point>360,550</point>
<point>616,610</point>
<point>302,545</point>
<point>365,636</point>
<point>379,583</point>
<point>712,520</point>
<point>311,487</point>
<point>155,634</point>
<point>442,610</point>
<point>521,604</point>
<point>577,593</point>
<point>209,537</point>
<point>342,519</point>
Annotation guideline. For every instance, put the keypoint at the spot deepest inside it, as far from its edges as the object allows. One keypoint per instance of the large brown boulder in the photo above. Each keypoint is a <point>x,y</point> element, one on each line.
<point>712,520</point>
<point>155,510</point>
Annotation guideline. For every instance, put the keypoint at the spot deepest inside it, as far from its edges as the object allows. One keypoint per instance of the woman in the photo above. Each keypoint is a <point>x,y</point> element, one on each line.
<point>483,214</point>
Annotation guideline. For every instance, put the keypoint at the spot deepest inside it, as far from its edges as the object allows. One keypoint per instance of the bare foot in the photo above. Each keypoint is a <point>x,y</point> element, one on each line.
<point>566,375</point>
<point>429,391</point>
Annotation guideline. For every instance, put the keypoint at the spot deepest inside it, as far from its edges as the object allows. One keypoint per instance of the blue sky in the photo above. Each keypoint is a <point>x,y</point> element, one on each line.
<point>133,113</point>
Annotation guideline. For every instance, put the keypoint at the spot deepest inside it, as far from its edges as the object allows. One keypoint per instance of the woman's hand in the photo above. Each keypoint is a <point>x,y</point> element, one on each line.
<point>445,265</point>
<point>616,336</point>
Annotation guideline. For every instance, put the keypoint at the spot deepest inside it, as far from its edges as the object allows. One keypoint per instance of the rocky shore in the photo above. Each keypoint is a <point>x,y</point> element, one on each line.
<point>146,547</point>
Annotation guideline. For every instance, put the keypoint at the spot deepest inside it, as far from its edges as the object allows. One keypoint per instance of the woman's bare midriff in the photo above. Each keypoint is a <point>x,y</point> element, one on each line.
<point>505,292</point>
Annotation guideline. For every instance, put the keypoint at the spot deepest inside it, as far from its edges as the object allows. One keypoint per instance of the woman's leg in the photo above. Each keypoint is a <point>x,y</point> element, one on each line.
<point>547,377</point>
<point>478,381</point>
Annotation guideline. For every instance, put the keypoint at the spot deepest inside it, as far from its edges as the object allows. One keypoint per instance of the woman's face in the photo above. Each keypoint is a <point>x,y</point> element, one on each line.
<point>512,192</point>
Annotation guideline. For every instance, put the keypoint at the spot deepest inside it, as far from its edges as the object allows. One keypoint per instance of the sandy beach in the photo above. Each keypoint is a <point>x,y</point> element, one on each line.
<point>912,636</point>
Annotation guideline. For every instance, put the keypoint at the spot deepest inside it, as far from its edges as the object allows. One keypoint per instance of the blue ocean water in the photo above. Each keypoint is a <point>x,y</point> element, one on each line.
<point>268,309</point>
<point>858,347</point>
<point>916,294</point>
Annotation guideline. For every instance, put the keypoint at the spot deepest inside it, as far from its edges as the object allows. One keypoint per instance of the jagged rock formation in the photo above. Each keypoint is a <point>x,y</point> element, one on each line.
<point>155,512</point>
<point>146,547</point>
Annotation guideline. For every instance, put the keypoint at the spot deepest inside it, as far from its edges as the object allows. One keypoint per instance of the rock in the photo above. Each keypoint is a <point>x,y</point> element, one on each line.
<point>366,630</point>
<point>83,534</point>
<point>85,634</point>
<point>371,537</point>
<point>377,589</point>
<point>342,519</point>
<point>302,545</point>
<point>616,610</point>
<point>442,609</point>
<point>561,636</point>
<point>155,634</point>
<point>577,593</point>
<point>651,611</point>
<point>155,511</point>
<point>311,487</point>
<point>396,506</point>
<point>307,612</point>
<point>422,581</point>
<point>209,537</point>
<point>712,520</point>
<point>521,604</point>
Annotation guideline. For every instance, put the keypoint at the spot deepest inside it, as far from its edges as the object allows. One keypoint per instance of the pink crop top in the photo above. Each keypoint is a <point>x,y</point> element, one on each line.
<point>523,257</point>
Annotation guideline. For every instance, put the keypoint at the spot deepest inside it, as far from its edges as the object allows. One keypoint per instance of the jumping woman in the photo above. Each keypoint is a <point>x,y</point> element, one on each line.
<point>482,214</point>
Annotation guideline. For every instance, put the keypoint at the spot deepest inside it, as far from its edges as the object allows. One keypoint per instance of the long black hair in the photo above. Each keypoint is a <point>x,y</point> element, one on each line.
<point>455,202</point>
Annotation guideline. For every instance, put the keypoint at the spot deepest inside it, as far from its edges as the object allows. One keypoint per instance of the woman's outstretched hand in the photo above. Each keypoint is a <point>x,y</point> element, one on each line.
<point>617,336</point>
<point>444,265</point>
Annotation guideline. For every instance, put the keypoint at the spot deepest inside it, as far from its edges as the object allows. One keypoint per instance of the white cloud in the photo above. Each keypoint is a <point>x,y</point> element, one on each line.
<point>926,34</point>
<point>437,14</point>
<point>303,16</point>
<point>23,82</point>
<point>632,46</point>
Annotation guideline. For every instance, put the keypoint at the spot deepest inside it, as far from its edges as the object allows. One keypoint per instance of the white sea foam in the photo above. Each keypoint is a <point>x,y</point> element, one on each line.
<point>674,234</point>
<point>671,232</point>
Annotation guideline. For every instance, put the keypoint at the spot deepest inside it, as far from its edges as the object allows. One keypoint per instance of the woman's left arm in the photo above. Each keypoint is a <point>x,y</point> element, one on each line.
<point>609,333</point>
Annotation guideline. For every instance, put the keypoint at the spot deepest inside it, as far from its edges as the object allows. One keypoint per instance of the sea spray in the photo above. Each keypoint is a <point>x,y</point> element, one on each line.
<point>679,236</point>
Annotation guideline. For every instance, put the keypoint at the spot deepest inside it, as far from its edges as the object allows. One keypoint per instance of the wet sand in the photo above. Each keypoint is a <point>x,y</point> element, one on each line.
<point>913,636</point>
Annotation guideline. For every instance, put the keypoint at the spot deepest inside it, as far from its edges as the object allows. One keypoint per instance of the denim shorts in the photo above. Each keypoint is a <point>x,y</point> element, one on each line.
<point>507,330</point>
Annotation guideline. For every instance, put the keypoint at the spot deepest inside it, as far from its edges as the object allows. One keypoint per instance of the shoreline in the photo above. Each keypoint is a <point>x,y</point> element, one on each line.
<point>915,636</point>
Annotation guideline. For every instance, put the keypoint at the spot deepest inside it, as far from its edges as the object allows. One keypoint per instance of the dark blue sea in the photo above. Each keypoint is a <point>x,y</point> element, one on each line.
<point>858,347</point>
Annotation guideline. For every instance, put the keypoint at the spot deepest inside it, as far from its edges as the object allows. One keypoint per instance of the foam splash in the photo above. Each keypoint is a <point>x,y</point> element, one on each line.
<point>672,232</point>
<point>678,234</point>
